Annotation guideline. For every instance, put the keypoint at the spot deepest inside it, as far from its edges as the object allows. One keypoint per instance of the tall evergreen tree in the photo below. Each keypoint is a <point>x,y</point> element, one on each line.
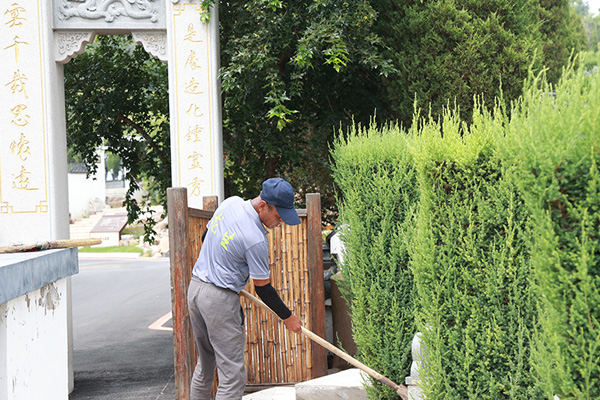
<point>562,35</point>
<point>447,51</point>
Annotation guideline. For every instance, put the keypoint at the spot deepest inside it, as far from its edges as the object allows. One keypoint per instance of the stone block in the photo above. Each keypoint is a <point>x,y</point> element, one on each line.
<point>347,385</point>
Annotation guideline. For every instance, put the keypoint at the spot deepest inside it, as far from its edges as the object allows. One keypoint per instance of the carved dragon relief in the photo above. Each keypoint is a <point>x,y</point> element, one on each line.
<point>108,9</point>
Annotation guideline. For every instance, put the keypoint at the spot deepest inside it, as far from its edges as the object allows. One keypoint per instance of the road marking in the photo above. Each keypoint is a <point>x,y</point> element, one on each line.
<point>167,384</point>
<point>158,324</point>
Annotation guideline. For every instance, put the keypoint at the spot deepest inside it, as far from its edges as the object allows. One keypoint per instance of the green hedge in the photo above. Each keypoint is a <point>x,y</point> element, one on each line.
<point>470,264</point>
<point>377,182</point>
<point>554,143</point>
<point>486,238</point>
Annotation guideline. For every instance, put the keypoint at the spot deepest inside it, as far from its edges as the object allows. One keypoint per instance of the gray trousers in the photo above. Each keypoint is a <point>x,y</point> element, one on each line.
<point>217,322</point>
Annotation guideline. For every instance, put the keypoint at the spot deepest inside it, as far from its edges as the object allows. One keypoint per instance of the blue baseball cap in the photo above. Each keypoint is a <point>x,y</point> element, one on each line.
<point>279,193</point>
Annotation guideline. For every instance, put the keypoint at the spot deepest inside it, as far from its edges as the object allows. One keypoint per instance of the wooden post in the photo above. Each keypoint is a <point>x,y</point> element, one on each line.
<point>315,275</point>
<point>210,203</point>
<point>180,277</point>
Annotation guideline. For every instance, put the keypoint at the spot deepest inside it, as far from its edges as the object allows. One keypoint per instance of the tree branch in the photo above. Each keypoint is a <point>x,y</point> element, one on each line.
<point>147,137</point>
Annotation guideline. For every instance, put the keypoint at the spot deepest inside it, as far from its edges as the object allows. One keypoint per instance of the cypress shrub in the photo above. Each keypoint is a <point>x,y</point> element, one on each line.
<point>553,141</point>
<point>377,194</point>
<point>470,263</point>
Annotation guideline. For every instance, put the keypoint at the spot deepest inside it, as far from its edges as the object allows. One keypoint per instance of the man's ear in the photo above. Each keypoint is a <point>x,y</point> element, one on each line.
<point>262,205</point>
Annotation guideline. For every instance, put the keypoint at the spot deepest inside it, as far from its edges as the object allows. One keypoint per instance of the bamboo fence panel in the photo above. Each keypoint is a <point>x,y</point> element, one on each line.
<point>273,355</point>
<point>278,355</point>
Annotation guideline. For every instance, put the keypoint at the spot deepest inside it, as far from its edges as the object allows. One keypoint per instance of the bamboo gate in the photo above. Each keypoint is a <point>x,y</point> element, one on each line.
<point>273,355</point>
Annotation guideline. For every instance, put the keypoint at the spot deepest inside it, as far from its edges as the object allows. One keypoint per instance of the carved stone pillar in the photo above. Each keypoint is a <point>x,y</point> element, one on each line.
<point>33,195</point>
<point>195,106</point>
<point>33,165</point>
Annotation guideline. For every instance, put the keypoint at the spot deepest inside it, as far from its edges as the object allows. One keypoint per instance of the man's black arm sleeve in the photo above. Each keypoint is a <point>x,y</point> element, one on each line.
<point>269,295</point>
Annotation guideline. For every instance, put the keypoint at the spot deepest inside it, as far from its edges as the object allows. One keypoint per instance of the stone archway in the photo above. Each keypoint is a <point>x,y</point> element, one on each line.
<point>37,38</point>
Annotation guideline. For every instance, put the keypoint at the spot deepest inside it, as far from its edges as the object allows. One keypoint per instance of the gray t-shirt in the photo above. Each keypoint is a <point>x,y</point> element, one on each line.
<point>235,248</point>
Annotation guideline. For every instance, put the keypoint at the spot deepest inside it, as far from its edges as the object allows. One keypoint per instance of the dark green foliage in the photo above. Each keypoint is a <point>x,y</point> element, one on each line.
<point>116,96</point>
<point>295,72</point>
<point>292,73</point>
<point>470,262</point>
<point>554,143</point>
<point>448,50</point>
<point>452,50</point>
<point>377,182</point>
<point>562,35</point>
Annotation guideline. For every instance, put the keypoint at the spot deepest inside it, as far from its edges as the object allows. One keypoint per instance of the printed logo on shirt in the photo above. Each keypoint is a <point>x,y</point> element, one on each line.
<point>226,238</point>
<point>215,223</point>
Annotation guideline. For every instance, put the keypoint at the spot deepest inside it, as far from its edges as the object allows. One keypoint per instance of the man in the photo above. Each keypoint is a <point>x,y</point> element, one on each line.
<point>235,249</point>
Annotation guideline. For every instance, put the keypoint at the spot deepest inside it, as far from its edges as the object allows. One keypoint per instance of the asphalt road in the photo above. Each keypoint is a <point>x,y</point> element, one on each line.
<point>115,353</point>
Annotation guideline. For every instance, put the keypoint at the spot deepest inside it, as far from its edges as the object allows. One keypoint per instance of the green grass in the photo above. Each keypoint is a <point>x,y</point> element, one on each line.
<point>136,230</point>
<point>111,249</point>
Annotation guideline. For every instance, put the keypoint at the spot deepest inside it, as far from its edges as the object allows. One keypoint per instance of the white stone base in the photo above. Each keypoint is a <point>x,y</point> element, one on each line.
<point>34,345</point>
<point>347,385</point>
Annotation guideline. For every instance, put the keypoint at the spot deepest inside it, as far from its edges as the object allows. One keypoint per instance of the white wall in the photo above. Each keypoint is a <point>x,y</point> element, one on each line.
<point>86,195</point>
<point>34,345</point>
<point>84,191</point>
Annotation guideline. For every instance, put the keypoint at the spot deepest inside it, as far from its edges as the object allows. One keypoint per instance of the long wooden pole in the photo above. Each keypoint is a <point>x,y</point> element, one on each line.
<point>400,389</point>
<point>47,245</point>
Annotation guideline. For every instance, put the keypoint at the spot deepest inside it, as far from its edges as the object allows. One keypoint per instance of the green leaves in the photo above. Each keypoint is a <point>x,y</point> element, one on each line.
<point>337,54</point>
<point>292,73</point>
<point>449,51</point>
<point>273,5</point>
<point>310,67</point>
<point>205,6</point>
